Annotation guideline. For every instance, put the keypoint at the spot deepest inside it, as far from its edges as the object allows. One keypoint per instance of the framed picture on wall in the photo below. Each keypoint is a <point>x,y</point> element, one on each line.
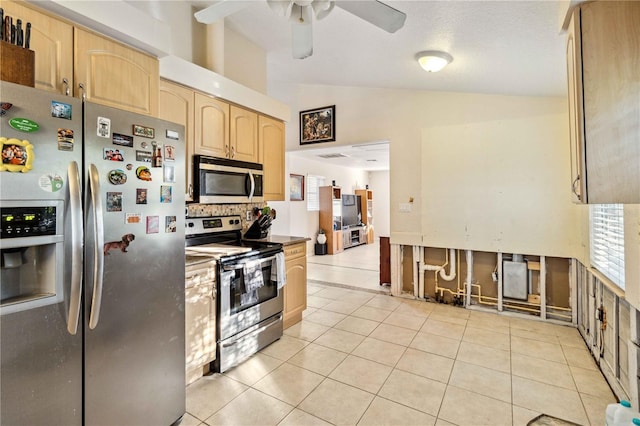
<point>318,125</point>
<point>296,187</point>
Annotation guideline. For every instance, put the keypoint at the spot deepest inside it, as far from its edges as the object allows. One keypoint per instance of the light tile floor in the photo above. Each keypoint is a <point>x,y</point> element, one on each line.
<point>369,359</point>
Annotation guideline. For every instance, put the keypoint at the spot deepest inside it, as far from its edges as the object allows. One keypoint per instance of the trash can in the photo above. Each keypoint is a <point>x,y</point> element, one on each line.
<point>320,249</point>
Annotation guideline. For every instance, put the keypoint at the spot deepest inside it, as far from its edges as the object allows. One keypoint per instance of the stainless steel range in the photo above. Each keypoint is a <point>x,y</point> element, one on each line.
<point>249,302</point>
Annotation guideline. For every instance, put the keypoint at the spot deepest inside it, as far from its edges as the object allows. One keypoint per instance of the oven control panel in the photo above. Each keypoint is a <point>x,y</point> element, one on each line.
<point>205,225</point>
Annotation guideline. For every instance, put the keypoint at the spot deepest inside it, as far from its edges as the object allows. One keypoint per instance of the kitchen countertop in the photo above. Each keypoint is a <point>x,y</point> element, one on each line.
<point>286,240</point>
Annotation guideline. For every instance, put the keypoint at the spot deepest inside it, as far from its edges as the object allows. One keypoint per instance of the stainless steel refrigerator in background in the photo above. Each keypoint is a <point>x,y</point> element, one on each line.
<point>92,273</point>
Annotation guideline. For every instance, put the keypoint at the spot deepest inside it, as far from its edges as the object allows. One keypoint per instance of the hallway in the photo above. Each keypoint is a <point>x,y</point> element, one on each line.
<point>355,268</point>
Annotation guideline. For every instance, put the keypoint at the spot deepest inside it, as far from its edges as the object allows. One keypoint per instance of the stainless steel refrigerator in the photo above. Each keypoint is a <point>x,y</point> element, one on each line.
<point>92,273</point>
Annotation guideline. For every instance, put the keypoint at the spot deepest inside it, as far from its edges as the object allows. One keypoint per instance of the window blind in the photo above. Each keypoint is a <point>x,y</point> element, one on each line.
<point>313,192</point>
<point>607,241</point>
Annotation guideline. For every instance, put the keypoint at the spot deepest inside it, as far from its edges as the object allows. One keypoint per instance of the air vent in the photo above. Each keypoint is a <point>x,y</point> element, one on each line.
<point>336,155</point>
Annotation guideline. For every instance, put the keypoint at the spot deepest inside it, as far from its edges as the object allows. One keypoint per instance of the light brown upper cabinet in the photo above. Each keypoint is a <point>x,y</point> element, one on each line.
<point>176,104</point>
<point>603,57</point>
<point>211,126</point>
<point>115,75</point>
<point>52,42</point>
<point>69,57</point>
<point>243,134</point>
<point>224,130</point>
<point>271,156</point>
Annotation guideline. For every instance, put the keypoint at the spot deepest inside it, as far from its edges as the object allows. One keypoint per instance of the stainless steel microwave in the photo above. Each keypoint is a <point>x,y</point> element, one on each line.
<point>219,180</point>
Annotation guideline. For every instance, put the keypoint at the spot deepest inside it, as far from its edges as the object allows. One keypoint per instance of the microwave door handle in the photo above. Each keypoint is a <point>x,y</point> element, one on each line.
<point>253,185</point>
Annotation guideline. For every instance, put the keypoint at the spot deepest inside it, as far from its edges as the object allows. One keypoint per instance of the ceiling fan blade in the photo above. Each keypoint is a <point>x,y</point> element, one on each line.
<point>219,11</point>
<point>280,7</point>
<point>301,32</point>
<point>321,8</point>
<point>375,12</point>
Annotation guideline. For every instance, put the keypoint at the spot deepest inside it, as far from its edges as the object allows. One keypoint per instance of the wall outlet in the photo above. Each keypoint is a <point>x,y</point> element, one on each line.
<point>248,215</point>
<point>405,207</point>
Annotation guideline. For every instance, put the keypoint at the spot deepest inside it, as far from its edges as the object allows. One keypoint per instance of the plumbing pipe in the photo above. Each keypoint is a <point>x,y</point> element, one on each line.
<point>416,262</point>
<point>469,254</point>
<point>452,267</point>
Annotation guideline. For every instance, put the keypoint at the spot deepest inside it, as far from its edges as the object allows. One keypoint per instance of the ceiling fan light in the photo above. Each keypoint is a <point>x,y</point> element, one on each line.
<point>433,60</point>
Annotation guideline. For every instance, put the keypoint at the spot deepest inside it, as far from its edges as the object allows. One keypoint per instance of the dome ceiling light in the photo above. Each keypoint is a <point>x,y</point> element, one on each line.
<point>433,60</point>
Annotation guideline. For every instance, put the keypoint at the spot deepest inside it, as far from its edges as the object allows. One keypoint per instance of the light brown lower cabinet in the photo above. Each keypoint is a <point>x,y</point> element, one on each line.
<point>295,291</point>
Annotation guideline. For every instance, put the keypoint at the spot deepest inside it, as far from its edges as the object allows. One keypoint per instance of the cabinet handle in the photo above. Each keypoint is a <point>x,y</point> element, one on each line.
<point>233,152</point>
<point>84,92</point>
<point>65,83</point>
<point>573,187</point>
<point>226,151</point>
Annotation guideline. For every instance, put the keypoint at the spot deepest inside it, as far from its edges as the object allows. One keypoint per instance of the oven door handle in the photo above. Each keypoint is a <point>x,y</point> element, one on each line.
<point>237,266</point>
<point>271,323</point>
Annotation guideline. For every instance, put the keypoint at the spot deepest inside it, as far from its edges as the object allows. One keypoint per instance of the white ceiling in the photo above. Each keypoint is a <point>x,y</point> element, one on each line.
<point>506,47</point>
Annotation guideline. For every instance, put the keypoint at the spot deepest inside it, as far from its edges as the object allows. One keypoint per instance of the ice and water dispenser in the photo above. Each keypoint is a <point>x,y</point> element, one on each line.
<point>31,254</point>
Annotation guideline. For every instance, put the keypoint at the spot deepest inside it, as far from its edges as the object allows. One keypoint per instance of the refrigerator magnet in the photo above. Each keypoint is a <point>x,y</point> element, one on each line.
<point>117,177</point>
<point>132,218</point>
<point>112,154</point>
<point>143,173</point>
<point>104,127</point>
<point>24,125</point>
<point>61,110</point>
<point>122,140</point>
<point>143,156</point>
<point>141,195</point>
<point>17,155</point>
<point>114,201</point>
<point>165,194</point>
<point>119,245</point>
<point>153,224</point>
<point>65,140</point>
<point>4,107</point>
<point>172,134</point>
<point>169,153</point>
<point>168,174</point>
<point>145,132</point>
<point>52,182</point>
<point>170,224</point>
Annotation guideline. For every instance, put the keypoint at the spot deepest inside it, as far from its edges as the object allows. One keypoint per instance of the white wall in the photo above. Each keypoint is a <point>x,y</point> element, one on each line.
<point>401,116</point>
<point>498,186</point>
<point>248,68</point>
<point>379,183</point>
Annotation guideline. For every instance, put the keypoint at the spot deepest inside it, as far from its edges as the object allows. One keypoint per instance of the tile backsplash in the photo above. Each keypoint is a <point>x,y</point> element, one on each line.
<point>199,210</point>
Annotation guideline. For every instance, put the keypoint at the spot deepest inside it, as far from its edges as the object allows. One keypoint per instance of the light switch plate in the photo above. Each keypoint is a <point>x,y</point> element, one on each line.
<point>405,207</point>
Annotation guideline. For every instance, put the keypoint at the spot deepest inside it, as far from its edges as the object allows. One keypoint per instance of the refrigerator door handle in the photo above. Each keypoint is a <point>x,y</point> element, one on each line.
<point>98,254</point>
<point>75,205</point>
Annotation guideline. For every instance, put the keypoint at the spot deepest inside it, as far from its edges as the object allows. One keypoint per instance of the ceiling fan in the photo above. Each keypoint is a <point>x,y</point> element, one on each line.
<point>301,12</point>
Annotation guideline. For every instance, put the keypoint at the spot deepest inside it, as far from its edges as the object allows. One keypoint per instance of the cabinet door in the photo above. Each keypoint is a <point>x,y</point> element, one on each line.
<point>295,292</point>
<point>243,134</point>
<point>339,243</point>
<point>610,70</point>
<point>576,120</point>
<point>52,41</point>
<point>176,105</point>
<point>200,347</point>
<point>115,75</point>
<point>211,126</point>
<point>271,156</point>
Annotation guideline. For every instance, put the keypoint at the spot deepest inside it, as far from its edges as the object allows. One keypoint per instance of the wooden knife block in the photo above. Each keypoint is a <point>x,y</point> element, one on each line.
<point>17,64</point>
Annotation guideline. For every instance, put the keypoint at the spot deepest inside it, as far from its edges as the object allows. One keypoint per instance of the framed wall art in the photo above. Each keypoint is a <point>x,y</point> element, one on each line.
<point>318,125</point>
<point>296,187</point>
